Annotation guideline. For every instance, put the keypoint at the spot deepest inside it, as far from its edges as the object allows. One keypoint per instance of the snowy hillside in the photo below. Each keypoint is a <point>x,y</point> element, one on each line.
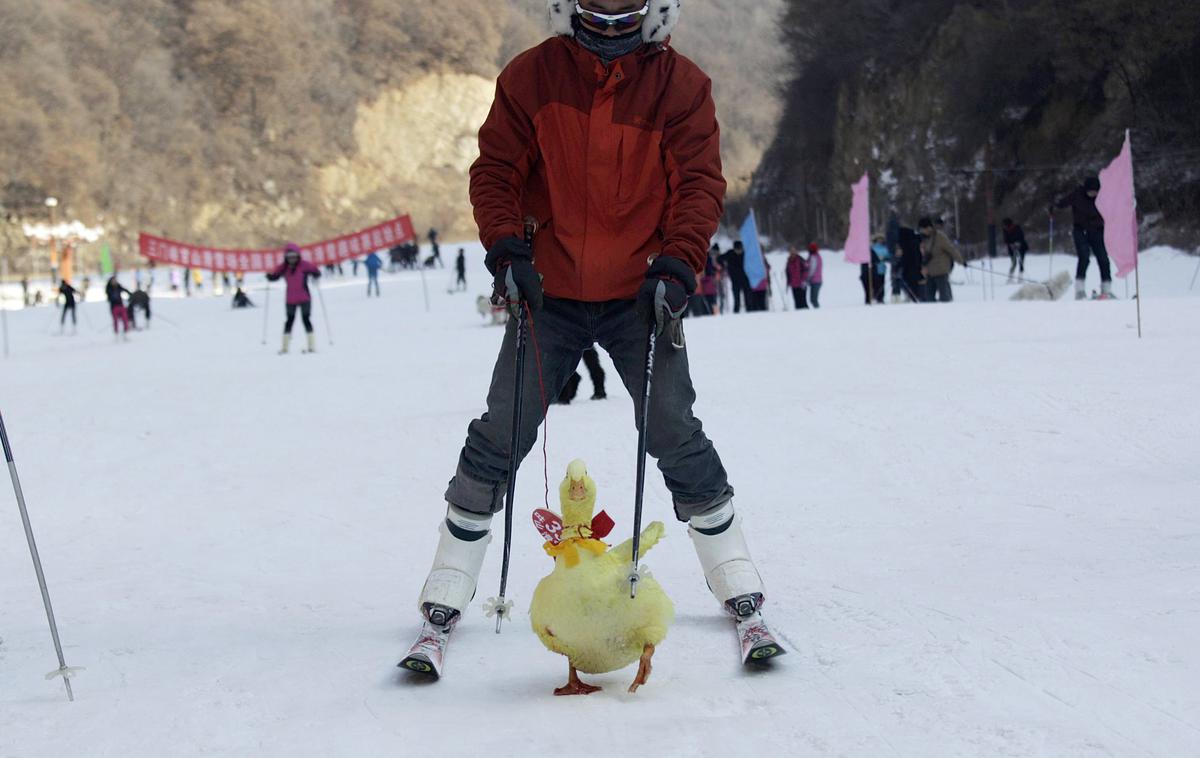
<point>978,525</point>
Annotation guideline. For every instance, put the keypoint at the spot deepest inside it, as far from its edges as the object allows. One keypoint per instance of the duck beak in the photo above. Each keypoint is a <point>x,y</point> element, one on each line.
<point>578,490</point>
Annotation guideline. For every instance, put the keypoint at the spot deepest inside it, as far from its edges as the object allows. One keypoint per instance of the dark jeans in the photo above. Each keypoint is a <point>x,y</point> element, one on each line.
<point>373,281</point>
<point>1087,242</point>
<point>68,307</point>
<point>1016,254</point>
<point>305,313</point>
<point>565,328</point>
<point>938,288</point>
<point>800,295</point>
<point>740,291</point>
<point>814,294</point>
<point>133,309</point>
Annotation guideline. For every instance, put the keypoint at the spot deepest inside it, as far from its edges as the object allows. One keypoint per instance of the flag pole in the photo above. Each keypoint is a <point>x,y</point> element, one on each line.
<point>4,305</point>
<point>1137,274</point>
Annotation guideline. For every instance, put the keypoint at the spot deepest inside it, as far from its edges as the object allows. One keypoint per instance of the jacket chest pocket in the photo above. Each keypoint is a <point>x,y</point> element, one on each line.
<point>639,176</point>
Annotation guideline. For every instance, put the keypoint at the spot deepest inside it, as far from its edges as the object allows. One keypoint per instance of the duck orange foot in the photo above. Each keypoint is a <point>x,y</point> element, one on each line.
<point>644,668</point>
<point>575,687</point>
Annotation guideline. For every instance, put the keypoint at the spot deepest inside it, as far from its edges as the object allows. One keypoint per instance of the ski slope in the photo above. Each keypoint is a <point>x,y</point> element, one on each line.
<point>978,525</point>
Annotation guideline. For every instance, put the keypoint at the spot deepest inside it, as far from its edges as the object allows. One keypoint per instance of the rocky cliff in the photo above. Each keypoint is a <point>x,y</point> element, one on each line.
<point>249,122</point>
<point>935,98</point>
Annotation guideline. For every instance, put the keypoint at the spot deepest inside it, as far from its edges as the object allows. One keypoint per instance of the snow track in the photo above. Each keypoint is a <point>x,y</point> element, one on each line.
<point>977,524</point>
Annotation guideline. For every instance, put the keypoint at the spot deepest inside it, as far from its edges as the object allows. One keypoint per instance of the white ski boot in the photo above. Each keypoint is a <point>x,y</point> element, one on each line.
<point>733,579</point>
<point>1106,291</point>
<point>449,587</point>
<point>312,342</point>
<point>1080,290</point>
<point>461,548</point>
<point>287,342</point>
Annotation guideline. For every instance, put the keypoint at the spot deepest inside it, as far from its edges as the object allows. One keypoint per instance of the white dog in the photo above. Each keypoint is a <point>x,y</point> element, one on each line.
<point>498,315</point>
<point>1051,290</point>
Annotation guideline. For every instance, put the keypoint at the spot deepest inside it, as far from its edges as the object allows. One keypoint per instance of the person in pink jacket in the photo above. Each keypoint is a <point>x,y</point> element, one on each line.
<point>816,276</point>
<point>295,273</point>
<point>797,278</point>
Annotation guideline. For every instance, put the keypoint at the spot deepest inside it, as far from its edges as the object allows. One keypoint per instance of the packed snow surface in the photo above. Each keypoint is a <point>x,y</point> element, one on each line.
<point>978,525</point>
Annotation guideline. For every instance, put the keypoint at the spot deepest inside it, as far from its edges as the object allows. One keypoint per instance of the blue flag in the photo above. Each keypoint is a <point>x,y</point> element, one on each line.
<point>756,270</point>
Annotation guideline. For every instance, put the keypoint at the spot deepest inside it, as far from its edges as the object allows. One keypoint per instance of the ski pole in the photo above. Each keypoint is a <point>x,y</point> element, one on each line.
<point>424,284</point>
<point>324,314</point>
<point>1052,246</point>
<point>499,605</point>
<point>4,306</point>
<point>266,309</point>
<point>1020,279</point>
<point>63,670</point>
<point>643,415</point>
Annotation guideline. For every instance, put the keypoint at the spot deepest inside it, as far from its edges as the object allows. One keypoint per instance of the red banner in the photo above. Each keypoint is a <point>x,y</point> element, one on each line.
<point>379,237</point>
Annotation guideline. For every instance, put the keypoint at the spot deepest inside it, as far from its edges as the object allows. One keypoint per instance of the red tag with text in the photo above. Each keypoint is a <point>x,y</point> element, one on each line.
<point>548,524</point>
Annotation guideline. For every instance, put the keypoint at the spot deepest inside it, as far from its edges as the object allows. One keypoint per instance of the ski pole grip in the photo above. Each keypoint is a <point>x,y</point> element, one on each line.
<point>531,228</point>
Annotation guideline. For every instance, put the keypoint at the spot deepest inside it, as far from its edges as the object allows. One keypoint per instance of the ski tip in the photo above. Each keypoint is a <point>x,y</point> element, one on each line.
<point>763,654</point>
<point>418,665</point>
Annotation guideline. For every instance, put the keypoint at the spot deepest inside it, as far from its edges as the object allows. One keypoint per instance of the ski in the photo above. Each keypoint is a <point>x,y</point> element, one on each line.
<point>757,642</point>
<point>429,651</point>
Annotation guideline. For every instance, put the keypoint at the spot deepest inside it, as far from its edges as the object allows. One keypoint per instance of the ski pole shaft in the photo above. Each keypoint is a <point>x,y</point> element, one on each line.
<point>62,670</point>
<point>4,306</point>
<point>324,314</point>
<point>424,284</point>
<point>640,492</point>
<point>513,447</point>
<point>514,440</point>
<point>266,310</point>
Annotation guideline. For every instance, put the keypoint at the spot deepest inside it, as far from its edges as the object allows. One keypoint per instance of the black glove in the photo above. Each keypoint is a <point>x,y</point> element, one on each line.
<point>272,277</point>
<point>510,262</point>
<point>663,297</point>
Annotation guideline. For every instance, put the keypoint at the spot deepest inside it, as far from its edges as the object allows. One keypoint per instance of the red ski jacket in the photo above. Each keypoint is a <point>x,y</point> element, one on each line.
<point>616,163</point>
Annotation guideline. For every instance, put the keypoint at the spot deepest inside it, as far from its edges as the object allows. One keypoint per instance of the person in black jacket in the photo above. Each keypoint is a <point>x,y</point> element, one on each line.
<point>139,299</point>
<point>68,293</point>
<point>1088,233</point>
<point>734,262</point>
<point>1014,238</point>
<point>910,263</point>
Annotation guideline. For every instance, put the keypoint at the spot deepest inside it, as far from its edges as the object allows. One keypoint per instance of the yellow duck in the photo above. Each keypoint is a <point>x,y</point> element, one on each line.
<point>582,609</point>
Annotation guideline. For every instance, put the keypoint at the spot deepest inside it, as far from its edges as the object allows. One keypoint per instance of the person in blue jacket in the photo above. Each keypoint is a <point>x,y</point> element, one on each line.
<point>373,263</point>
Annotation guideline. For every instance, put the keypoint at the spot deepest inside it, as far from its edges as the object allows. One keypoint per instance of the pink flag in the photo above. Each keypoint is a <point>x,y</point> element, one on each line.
<point>1117,203</point>
<point>858,241</point>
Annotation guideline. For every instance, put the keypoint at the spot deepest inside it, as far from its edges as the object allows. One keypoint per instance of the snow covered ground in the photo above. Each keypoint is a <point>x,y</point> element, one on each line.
<point>978,524</point>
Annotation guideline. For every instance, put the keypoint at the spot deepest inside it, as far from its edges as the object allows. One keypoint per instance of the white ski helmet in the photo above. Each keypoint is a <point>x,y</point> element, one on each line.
<point>659,23</point>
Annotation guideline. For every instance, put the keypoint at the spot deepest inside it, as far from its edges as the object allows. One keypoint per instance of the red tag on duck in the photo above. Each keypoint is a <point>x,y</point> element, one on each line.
<point>602,524</point>
<point>548,524</point>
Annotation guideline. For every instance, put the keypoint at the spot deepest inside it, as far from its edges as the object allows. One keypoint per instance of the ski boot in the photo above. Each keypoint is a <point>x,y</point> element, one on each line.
<point>287,342</point>
<point>733,579</point>
<point>449,587</point>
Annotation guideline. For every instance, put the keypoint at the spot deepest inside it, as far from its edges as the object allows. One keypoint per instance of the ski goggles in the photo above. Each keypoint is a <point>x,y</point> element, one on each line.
<point>621,22</point>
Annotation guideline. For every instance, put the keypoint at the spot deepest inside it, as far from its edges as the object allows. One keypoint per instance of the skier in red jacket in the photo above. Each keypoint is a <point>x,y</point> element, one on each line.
<point>608,138</point>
